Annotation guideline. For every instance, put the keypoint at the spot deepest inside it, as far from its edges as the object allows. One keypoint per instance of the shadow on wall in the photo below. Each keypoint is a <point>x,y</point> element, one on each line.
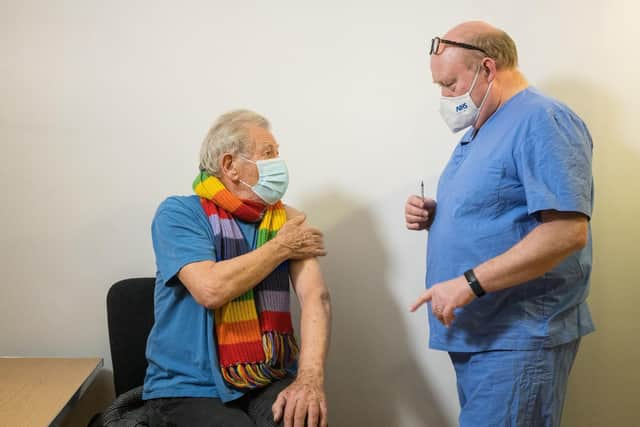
<point>605,378</point>
<point>372,377</point>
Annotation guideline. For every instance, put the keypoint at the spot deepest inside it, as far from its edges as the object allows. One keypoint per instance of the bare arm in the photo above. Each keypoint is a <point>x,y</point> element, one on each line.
<point>559,235</point>
<point>213,284</point>
<point>315,318</point>
<point>305,397</point>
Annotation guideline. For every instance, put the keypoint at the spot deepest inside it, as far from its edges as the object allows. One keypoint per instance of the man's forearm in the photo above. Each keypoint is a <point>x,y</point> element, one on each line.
<point>315,328</point>
<point>239,274</point>
<point>315,317</point>
<point>213,284</point>
<point>541,250</point>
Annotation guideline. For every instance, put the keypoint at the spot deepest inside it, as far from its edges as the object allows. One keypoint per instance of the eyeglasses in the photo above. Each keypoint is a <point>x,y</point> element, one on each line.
<point>436,41</point>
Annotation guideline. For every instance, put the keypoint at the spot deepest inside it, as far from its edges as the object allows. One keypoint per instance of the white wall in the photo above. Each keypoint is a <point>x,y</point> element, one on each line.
<point>103,106</point>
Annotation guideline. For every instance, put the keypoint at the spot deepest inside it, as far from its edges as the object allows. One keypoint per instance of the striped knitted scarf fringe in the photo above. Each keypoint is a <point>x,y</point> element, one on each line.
<point>254,333</point>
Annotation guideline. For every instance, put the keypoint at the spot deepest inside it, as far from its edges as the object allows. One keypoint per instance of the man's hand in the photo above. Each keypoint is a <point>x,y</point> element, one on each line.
<point>445,297</point>
<point>301,240</point>
<point>419,212</point>
<point>304,400</point>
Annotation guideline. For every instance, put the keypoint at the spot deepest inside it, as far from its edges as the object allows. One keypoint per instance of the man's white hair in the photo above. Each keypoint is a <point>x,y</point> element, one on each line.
<point>229,134</point>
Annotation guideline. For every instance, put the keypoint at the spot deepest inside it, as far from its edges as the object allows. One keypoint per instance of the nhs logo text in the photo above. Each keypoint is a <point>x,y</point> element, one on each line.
<point>461,107</point>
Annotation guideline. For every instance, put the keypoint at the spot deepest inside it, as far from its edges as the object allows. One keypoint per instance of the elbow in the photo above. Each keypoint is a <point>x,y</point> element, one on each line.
<point>213,303</point>
<point>207,284</point>
<point>581,237</point>
<point>212,295</point>
<point>216,298</point>
<point>207,300</point>
<point>580,243</point>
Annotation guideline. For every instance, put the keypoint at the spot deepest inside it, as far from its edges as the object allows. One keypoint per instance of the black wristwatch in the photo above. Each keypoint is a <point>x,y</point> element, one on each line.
<point>473,282</point>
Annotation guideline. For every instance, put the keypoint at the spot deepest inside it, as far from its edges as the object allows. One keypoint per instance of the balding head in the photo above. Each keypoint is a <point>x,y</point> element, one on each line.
<point>477,60</point>
<point>496,43</point>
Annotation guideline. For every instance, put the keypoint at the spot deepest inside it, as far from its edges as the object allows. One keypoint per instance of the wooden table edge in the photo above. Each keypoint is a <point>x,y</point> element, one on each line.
<point>79,393</point>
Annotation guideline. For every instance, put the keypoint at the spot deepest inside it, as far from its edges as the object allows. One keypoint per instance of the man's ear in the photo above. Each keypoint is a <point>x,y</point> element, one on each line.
<point>229,167</point>
<point>489,68</point>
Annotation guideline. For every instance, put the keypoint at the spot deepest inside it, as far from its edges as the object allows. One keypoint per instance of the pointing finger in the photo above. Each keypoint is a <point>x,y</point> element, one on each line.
<point>424,298</point>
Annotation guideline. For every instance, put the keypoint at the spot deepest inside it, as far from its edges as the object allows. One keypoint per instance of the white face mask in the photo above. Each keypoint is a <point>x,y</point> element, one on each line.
<point>273,179</point>
<point>460,112</point>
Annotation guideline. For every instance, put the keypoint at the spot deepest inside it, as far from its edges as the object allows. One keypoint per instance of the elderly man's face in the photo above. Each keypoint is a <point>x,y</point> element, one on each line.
<point>262,146</point>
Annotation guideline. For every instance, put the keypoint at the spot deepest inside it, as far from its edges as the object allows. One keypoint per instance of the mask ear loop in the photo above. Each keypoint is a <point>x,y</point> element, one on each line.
<point>475,79</point>
<point>242,182</point>
<point>248,160</point>
<point>486,95</point>
<point>255,163</point>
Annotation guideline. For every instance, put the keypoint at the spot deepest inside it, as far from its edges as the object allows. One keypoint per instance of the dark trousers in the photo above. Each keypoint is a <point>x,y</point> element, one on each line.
<point>253,409</point>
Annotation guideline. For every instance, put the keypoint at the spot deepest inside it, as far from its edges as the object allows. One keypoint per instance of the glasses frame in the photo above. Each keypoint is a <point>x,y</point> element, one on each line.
<point>436,41</point>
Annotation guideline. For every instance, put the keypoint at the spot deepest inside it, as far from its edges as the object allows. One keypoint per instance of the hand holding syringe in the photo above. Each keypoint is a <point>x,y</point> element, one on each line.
<point>419,211</point>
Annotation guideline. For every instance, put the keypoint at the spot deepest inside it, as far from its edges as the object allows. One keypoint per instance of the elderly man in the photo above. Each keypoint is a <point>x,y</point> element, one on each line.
<point>222,351</point>
<point>509,248</point>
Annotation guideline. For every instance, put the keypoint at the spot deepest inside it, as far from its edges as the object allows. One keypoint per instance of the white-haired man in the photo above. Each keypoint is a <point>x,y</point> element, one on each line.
<point>512,221</point>
<point>222,350</point>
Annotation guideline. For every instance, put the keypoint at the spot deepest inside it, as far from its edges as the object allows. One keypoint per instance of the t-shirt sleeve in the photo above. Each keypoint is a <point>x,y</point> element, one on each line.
<point>554,164</point>
<point>180,237</point>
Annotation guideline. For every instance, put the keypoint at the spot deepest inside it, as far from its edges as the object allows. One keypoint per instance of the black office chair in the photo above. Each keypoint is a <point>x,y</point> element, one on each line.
<point>129,319</point>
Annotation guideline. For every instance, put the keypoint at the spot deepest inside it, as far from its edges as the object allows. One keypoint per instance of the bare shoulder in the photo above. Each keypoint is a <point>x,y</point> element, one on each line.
<point>292,212</point>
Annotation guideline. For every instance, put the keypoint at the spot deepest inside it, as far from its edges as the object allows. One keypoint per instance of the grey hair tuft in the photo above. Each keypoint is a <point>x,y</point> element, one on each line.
<point>229,134</point>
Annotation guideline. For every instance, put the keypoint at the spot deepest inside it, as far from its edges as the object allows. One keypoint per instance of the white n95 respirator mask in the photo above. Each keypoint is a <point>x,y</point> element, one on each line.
<point>460,112</point>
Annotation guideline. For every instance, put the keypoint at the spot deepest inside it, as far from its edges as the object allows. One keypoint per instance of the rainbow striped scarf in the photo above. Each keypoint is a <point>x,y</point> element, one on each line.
<point>254,333</point>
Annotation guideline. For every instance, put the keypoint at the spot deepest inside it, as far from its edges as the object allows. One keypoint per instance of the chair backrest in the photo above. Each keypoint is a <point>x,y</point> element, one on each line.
<point>130,318</point>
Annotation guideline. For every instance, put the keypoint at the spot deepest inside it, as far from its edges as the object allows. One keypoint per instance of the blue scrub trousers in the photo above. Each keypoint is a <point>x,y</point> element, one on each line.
<point>513,388</point>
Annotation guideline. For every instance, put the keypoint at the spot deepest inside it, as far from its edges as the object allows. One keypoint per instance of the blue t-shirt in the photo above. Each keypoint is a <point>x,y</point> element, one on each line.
<point>532,154</point>
<point>180,349</point>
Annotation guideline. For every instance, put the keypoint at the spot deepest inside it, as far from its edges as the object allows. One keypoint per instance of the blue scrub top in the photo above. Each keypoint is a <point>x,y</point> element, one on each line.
<point>181,350</point>
<point>532,154</point>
